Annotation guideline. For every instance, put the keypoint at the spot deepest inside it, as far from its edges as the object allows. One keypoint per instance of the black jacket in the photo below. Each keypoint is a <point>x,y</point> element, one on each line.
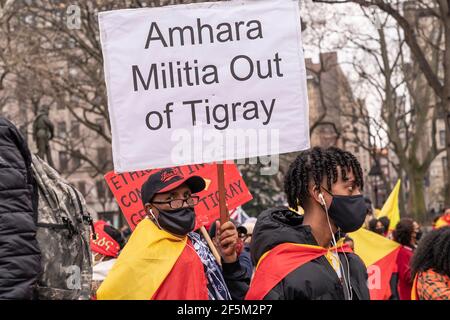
<point>19,251</point>
<point>236,278</point>
<point>315,280</point>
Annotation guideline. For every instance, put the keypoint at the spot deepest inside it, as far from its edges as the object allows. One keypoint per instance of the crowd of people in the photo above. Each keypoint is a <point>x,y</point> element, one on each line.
<point>283,255</point>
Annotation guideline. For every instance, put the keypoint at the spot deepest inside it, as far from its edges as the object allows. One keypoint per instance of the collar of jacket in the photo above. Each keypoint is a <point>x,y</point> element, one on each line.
<point>276,226</point>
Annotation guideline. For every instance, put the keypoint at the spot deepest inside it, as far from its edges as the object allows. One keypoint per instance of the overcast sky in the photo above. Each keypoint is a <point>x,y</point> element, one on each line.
<point>329,27</point>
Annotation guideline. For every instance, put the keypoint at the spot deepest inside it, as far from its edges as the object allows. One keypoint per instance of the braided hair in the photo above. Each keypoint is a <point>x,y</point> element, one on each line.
<point>373,224</point>
<point>385,221</point>
<point>433,253</point>
<point>315,164</point>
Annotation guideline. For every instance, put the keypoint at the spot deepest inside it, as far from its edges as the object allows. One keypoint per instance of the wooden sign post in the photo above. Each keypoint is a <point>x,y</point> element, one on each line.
<point>224,217</point>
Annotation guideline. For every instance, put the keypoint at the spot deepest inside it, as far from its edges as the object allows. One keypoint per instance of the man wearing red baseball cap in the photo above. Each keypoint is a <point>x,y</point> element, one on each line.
<point>164,259</point>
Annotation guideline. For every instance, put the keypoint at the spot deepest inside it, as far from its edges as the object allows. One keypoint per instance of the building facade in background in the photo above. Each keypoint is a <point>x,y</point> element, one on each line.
<point>335,113</point>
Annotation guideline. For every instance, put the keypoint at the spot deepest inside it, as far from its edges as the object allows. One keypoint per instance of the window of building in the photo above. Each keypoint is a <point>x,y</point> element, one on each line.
<point>100,186</point>
<point>76,161</point>
<point>30,19</point>
<point>63,161</point>
<point>61,129</point>
<point>72,43</point>
<point>82,187</point>
<point>102,156</point>
<point>75,129</point>
<point>74,99</point>
<point>60,106</point>
<point>444,164</point>
<point>442,138</point>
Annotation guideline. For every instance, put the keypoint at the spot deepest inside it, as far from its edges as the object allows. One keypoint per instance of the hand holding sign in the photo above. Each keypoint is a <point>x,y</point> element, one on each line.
<point>226,239</point>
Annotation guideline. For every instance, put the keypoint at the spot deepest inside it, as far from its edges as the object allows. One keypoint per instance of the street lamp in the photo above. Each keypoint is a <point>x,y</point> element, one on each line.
<point>375,172</point>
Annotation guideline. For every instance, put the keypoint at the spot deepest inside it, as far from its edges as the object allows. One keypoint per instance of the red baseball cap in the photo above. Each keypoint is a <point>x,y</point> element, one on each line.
<point>168,179</point>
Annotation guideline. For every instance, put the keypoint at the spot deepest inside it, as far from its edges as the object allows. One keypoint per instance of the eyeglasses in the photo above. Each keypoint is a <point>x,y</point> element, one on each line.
<point>178,203</point>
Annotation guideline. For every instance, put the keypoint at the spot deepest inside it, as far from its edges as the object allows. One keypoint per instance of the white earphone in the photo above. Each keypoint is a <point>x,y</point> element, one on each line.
<point>322,199</point>
<point>154,218</point>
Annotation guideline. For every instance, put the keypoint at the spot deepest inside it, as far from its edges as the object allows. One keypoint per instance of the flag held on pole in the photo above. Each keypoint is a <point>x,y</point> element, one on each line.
<point>390,208</point>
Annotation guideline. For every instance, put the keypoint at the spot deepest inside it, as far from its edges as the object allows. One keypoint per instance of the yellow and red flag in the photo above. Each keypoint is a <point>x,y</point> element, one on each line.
<point>390,208</point>
<point>155,265</point>
<point>379,254</point>
<point>277,263</point>
<point>443,221</point>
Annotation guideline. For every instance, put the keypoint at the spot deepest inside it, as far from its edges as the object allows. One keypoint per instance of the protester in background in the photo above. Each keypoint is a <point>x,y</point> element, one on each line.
<point>405,234</point>
<point>249,225</point>
<point>376,226</point>
<point>349,241</point>
<point>242,231</point>
<point>369,214</point>
<point>296,255</point>
<point>164,259</point>
<point>126,232</point>
<point>105,249</point>
<point>372,224</point>
<point>385,222</point>
<point>430,266</point>
<point>20,256</point>
<point>418,233</point>
<point>432,213</point>
<point>243,254</point>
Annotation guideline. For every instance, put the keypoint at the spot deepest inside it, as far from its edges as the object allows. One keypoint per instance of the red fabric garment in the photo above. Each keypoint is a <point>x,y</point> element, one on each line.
<point>405,283</point>
<point>387,266</point>
<point>186,280</point>
<point>279,262</point>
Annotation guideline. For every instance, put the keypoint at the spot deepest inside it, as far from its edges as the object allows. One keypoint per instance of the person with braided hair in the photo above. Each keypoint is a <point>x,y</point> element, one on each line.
<point>430,266</point>
<point>300,256</point>
<point>406,233</point>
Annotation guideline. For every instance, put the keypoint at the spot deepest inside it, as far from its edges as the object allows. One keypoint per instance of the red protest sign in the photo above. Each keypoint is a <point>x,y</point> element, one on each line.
<point>126,188</point>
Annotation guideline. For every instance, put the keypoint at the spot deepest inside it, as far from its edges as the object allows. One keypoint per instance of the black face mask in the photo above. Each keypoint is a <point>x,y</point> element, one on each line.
<point>179,222</point>
<point>348,212</point>
<point>419,235</point>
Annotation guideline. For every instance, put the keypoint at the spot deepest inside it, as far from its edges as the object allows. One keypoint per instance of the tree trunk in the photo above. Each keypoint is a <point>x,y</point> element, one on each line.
<point>446,102</point>
<point>417,208</point>
<point>402,198</point>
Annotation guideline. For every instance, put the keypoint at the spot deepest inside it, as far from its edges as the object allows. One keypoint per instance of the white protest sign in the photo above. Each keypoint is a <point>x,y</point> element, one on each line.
<point>204,82</point>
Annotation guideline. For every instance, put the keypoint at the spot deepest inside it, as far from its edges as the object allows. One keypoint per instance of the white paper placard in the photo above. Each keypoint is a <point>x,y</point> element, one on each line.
<point>204,82</point>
